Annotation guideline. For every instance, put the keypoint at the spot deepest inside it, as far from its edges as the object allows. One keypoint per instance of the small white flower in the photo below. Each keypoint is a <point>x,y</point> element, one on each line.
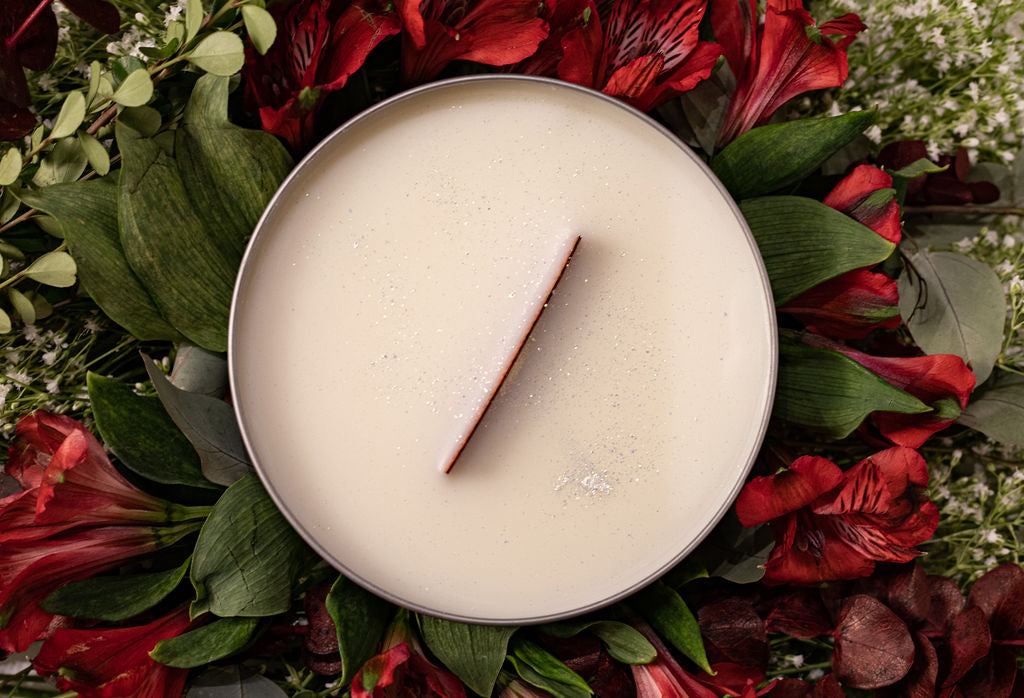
<point>990,535</point>
<point>796,660</point>
<point>49,357</point>
<point>53,386</point>
<point>815,674</point>
<point>874,134</point>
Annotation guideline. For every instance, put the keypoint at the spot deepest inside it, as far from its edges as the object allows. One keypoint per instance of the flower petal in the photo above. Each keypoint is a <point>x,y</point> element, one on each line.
<point>767,498</point>
<point>849,306</point>
<point>873,646</point>
<point>865,195</point>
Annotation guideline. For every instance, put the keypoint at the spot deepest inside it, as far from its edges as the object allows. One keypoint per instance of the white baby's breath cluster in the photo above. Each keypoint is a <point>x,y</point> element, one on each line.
<point>949,72</point>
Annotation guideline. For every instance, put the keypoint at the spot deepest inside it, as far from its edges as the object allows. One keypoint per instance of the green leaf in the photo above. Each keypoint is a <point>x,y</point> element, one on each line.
<point>95,70</point>
<point>544,670</point>
<point>22,306</point>
<point>209,425</point>
<point>623,642</point>
<point>65,163</point>
<point>261,27</point>
<point>197,370</point>
<point>136,90</point>
<point>114,598</point>
<point>474,653</point>
<point>917,168</point>
<point>87,212</point>
<point>704,107</point>
<point>736,553</point>
<point>953,304</point>
<point>71,115</point>
<point>804,242</point>
<point>95,152</point>
<point>9,206</point>
<point>998,412</point>
<point>193,18</point>
<point>49,225</point>
<point>53,269</point>
<point>221,638</point>
<point>233,681</point>
<point>247,557</point>
<point>824,390</point>
<point>10,166</point>
<point>5,322</point>
<point>360,619</point>
<point>146,120</point>
<point>776,156</point>
<point>668,614</point>
<point>139,432</point>
<point>220,53</point>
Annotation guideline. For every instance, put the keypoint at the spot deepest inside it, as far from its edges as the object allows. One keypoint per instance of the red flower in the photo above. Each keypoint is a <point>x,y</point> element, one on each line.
<point>647,54</point>
<point>831,524</point>
<point>403,670</point>
<point>942,381</point>
<point>320,43</point>
<point>866,196</point>
<point>78,517</point>
<point>494,32</point>
<point>788,57</point>
<point>114,662</point>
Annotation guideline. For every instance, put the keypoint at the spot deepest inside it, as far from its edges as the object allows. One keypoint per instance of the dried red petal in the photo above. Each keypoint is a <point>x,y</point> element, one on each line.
<point>733,632</point>
<point>947,191</point>
<point>983,192</point>
<point>873,647</point>
<point>908,594</point>
<point>800,614</point>
<point>999,593</point>
<point>828,687</point>
<point>920,680</point>
<point>946,602</point>
<point>322,636</point>
<point>98,13</point>
<point>791,688</point>
<point>969,640</point>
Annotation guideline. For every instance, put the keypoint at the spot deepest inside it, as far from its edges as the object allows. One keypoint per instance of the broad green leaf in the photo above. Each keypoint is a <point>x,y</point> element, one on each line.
<point>9,206</point>
<point>10,166</point>
<point>22,306</point>
<point>114,598</point>
<point>65,163</point>
<point>209,425</point>
<point>261,27</point>
<point>221,638</point>
<point>776,156</point>
<point>200,371</point>
<point>139,432</point>
<point>5,322</point>
<point>474,653</point>
<point>926,234</point>
<point>193,18</point>
<point>247,557</point>
<point>998,412</point>
<point>53,269</point>
<point>824,390</point>
<point>734,552</point>
<point>623,642</point>
<point>360,619</point>
<point>804,242</point>
<point>544,670</point>
<point>95,71</point>
<point>233,681</point>
<point>953,304</point>
<point>146,120</point>
<point>136,90</point>
<point>87,212</point>
<point>95,152</point>
<point>220,53</point>
<point>71,115</point>
<point>668,614</point>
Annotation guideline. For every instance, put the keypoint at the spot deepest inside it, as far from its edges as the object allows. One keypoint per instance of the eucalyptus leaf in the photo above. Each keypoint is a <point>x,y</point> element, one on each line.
<point>233,681</point>
<point>804,242</point>
<point>55,268</point>
<point>200,371</point>
<point>136,90</point>
<point>734,552</point>
<point>5,322</point>
<point>95,152</point>
<point>776,156</point>
<point>824,390</point>
<point>474,653</point>
<point>623,642</point>
<point>220,53</point>
<point>22,305</point>
<point>670,617</point>
<point>193,18</point>
<point>10,166</point>
<point>926,234</point>
<point>998,412</point>
<point>114,598</point>
<point>247,557</point>
<point>360,619</point>
<point>65,163</point>
<point>917,168</point>
<point>208,643</point>
<point>87,212</point>
<point>209,425</point>
<point>546,670</point>
<point>260,26</point>
<point>953,304</point>
<point>141,434</point>
<point>71,115</point>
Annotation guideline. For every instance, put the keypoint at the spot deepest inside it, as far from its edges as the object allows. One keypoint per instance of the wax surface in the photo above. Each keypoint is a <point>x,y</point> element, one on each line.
<point>381,289</point>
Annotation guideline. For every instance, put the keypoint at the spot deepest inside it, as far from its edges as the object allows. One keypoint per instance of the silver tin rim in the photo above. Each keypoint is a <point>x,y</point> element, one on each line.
<point>338,564</point>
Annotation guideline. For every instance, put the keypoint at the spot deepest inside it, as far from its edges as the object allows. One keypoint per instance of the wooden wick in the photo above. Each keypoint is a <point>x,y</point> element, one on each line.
<point>447,463</point>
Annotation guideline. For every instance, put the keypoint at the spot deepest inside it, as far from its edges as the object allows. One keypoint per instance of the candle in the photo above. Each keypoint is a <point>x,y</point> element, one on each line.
<point>378,301</point>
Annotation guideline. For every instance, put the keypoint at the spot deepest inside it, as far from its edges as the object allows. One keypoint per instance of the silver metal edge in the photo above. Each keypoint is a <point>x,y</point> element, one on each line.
<point>770,388</point>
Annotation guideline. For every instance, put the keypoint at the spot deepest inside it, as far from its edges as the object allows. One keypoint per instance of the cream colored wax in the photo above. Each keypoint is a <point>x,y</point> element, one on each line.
<point>386,283</point>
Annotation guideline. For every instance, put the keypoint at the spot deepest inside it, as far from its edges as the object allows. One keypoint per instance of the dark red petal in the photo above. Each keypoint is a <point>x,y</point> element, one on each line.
<point>999,593</point>
<point>790,688</point>
<point>873,647</point>
<point>983,192</point>
<point>854,197</point>
<point>947,601</point>
<point>767,498</point>
<point>322,635</point>
<point>908,594</point>
<point>581,52</point>
<point>800,614</point>
<point>828,687</point>
<point>15,122</point>
<point>920,680</point>
<point>38,43</point>
<point>969,640</point>
<point>992,676</point>
<point>353,36</point>
<point>899,154</point>
<point>733,632</point>
<point>947,191</point>
<point>961,164</point>
<point>98,13</point>
<point>564,20</point>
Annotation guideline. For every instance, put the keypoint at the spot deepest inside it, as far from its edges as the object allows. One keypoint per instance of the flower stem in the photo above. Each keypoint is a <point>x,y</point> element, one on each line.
<point>180,514</point>
<point>12,41</point>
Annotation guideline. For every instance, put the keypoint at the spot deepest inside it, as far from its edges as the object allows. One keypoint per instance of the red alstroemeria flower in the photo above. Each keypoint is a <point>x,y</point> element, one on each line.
<point>866,195</point>
<point>78,517</point>
<point>319,44</point>
<point>402,669</point>
<point>114,662</point>
<point>942,381</point>
<point>647,53</point>
<point>832,525</point>
<point>787,57</point>
<point>493,32</point>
